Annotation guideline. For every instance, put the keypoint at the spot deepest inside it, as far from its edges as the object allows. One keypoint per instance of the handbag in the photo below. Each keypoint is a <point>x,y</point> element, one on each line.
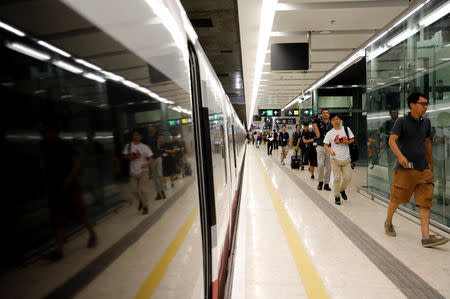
<point>354,153</point>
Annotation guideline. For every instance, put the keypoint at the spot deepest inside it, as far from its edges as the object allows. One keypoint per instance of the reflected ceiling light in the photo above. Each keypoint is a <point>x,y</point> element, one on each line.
<point>267,15</point>
<point>11,29</point>
<point>160,9</point>
<point>445,59</point>
<point>28,51</point>
<point>130,84</point>
<point>113,76</point>
<point>343,65</point>
<point>419,69</point>
<point>425,21</point>
<point>435,15</point>
<point>340,86</point>
<point>54,49</point>
<point>68,67</point>
<point>90,65</point>
<point>396,77</point>
<point>94,77</point>
<point>144,90</point>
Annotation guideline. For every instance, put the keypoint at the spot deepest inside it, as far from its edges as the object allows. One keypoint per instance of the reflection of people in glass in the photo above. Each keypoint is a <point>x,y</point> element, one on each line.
<point>178,149</point>
<point>441,134</point>
<point>140,156</point>
<point>385,133</point>
<point>156,166</point>
<point>168,164</point>
<point>91,168</point>
<point>61,163</point>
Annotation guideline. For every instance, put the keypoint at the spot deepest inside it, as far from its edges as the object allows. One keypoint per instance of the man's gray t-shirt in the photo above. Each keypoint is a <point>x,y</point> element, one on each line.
<point>411,140</point>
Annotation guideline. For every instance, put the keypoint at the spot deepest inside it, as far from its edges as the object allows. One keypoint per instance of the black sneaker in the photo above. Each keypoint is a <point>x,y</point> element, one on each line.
<point>337,201</point>
<point>326,187</point>
<point>312,177</point>
<point>145,211</point>
<point>302,168</point>
<point>140,206</point>
<point>344,196</point>
<point>320,186</point>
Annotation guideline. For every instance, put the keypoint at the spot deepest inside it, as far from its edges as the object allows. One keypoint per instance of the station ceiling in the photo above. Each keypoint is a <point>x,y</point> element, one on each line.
<point>337,28</point>
<point>217,26</point>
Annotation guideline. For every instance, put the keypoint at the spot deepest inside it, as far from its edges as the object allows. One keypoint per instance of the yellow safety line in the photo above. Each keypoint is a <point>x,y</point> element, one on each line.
<point>308,273</point>
<point>152,282</point>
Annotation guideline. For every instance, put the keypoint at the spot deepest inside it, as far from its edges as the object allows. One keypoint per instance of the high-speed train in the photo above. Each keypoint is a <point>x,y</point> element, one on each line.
<point>101,69</point>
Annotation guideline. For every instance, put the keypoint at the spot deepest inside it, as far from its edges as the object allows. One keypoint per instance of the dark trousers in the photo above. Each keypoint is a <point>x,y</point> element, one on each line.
<point>269,147</point>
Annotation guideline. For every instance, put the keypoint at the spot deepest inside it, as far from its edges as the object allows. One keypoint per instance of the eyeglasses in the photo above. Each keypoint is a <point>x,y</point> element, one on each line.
<point>424,104</point>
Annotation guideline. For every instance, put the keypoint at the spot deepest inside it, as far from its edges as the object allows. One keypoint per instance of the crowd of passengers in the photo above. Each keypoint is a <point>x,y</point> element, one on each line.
<point>327,146</point>
<point>147,157</point>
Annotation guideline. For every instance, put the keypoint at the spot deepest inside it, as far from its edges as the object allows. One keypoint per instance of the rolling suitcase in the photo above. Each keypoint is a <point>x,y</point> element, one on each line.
<point>295,161</point>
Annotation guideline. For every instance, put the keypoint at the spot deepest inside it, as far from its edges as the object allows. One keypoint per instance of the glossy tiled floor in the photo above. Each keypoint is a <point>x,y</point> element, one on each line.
<point>345,272</point>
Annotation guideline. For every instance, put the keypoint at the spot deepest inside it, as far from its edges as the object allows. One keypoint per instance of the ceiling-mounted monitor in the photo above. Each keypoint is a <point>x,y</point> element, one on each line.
<point>289,57</point>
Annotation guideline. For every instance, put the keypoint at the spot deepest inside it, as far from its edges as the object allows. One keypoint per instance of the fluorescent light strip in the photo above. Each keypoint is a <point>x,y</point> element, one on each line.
<point>435,15</point>
<point>427,20</point>
<point>90,65</point>
<point>130,84</point>
<point>68,67</point>
<point>267,15</point>
<point>28,51</point>
<point>11,29</point>
<point>54,49</point>
<point>113,76</point>
<point>94,77</point>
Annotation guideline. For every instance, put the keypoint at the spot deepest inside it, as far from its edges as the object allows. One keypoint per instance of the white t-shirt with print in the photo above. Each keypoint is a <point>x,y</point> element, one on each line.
<point>139,149</point>
<point>341,150</point>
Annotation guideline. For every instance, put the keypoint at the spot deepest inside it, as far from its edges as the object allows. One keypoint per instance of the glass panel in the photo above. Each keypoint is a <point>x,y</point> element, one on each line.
<point>97,130</point>
<point>413,57</point>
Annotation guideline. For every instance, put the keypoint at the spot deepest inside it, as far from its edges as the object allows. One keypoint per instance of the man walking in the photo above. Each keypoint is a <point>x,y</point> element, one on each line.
<point>140,157</point>
<point>295,142</point>
<point>321,128</point>
<point>269,143</point>
<point>283,138</point>
<point>309,148</point>
<point>339,138</point>
<point>410,141</point>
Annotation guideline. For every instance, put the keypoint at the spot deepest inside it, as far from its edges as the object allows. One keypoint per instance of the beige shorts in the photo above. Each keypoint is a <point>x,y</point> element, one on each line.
<point>409,181</point>
<point>284,150</point>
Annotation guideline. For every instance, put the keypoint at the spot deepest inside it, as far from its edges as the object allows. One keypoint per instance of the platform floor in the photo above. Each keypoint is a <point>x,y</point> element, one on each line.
<point>294,242</point>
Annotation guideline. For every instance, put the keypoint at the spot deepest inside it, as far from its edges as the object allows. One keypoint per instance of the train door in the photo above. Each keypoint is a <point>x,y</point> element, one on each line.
<point>205,171</point>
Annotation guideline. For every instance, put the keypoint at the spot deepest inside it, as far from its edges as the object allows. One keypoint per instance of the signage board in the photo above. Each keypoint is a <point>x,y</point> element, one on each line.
<point>291,112</point>
<point>269,112</point>
<point>285,121</point>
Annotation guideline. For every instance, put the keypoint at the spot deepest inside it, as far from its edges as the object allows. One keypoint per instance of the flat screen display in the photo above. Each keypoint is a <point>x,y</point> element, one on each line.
<point>289,57</point>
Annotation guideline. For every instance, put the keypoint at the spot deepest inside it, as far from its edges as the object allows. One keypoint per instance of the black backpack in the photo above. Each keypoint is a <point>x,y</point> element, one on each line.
<point>354,153</point>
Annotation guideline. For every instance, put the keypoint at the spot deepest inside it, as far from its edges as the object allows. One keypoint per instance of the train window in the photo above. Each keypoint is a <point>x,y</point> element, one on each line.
<point>97,124</point>
<point>234,147</point>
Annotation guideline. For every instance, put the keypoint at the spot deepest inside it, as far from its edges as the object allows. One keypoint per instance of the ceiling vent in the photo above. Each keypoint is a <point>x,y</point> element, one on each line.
<point>226,51</point>
<point>203,23</point>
